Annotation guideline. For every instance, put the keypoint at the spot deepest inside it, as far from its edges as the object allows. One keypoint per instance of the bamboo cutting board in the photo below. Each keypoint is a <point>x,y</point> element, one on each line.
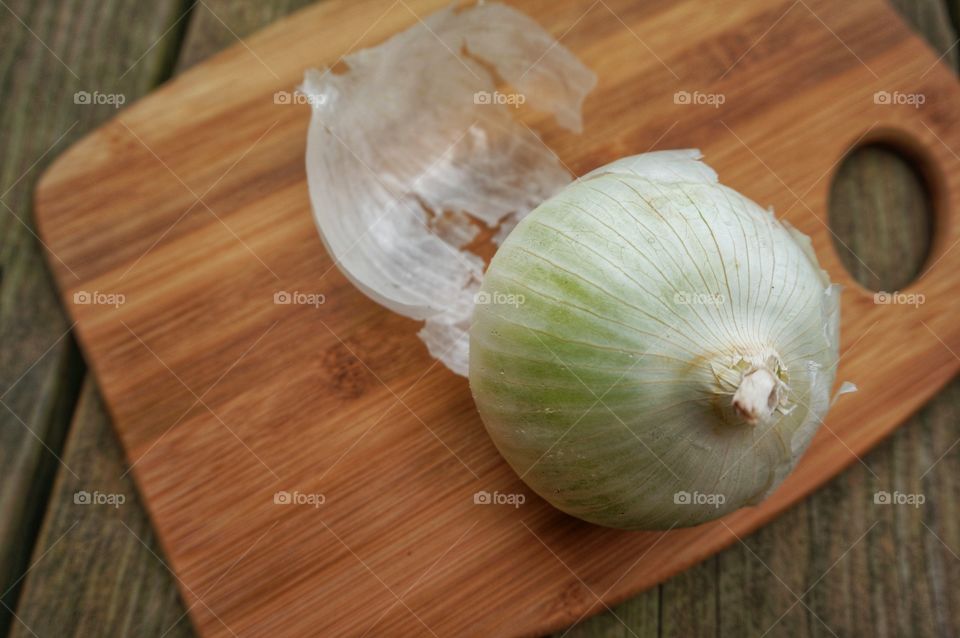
<point>172,229</point>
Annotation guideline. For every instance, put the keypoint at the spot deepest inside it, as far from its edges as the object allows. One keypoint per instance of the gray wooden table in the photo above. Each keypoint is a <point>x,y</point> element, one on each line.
<point>835,565</point>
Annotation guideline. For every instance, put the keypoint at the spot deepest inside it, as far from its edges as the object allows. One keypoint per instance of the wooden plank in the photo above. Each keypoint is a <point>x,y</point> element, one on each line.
<point>638,617</point>
<point>266,394</point>
<point>97,570</point>
<point>934,21</point>
<point>58,49</point>
<point>38,364</point>
<point>761,578</point>
<point>216,24</point>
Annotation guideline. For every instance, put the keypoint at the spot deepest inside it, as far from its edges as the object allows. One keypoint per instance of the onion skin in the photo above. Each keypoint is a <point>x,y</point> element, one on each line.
<point>615,326</point>
<point>410,153</point>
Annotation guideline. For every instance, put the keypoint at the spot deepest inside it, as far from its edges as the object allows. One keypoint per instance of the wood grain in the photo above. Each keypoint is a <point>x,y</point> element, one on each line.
<point>125,589</point>
<point>216,24</point>
<point>884,251</point>
<point>569,537</point>
<point>50,51</point>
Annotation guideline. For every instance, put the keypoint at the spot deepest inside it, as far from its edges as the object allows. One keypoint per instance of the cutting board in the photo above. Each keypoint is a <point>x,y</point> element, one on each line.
<point>172,228</point>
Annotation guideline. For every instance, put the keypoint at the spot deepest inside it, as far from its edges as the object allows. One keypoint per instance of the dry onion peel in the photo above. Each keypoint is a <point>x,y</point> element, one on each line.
<point>404,159</point>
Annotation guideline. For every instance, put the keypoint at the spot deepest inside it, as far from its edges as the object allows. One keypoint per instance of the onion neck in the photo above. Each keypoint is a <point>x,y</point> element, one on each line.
<point>757,396</point>
<point>750,385</point>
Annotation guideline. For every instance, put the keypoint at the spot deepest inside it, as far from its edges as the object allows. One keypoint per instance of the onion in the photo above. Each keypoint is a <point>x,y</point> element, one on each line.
<point>652,349</point>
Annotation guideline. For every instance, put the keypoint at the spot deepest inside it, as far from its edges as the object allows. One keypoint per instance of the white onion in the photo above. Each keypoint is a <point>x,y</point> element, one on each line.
<point>653,349</point>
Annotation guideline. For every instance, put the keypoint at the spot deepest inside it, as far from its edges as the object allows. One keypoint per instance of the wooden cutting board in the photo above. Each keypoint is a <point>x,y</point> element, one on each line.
<point>191,209</point>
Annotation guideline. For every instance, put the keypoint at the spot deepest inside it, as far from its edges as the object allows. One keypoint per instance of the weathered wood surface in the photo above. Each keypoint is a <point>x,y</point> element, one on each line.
<point>50,51</point>
<point>97,569</point>
<point>899,580</point>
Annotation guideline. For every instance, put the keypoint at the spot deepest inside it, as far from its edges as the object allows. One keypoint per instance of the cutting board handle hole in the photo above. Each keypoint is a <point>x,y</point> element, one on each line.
<point>882,194</point>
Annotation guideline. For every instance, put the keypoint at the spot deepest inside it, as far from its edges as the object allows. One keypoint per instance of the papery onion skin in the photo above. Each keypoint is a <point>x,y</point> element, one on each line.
<point>409,154</point>
<point>614,327</point>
